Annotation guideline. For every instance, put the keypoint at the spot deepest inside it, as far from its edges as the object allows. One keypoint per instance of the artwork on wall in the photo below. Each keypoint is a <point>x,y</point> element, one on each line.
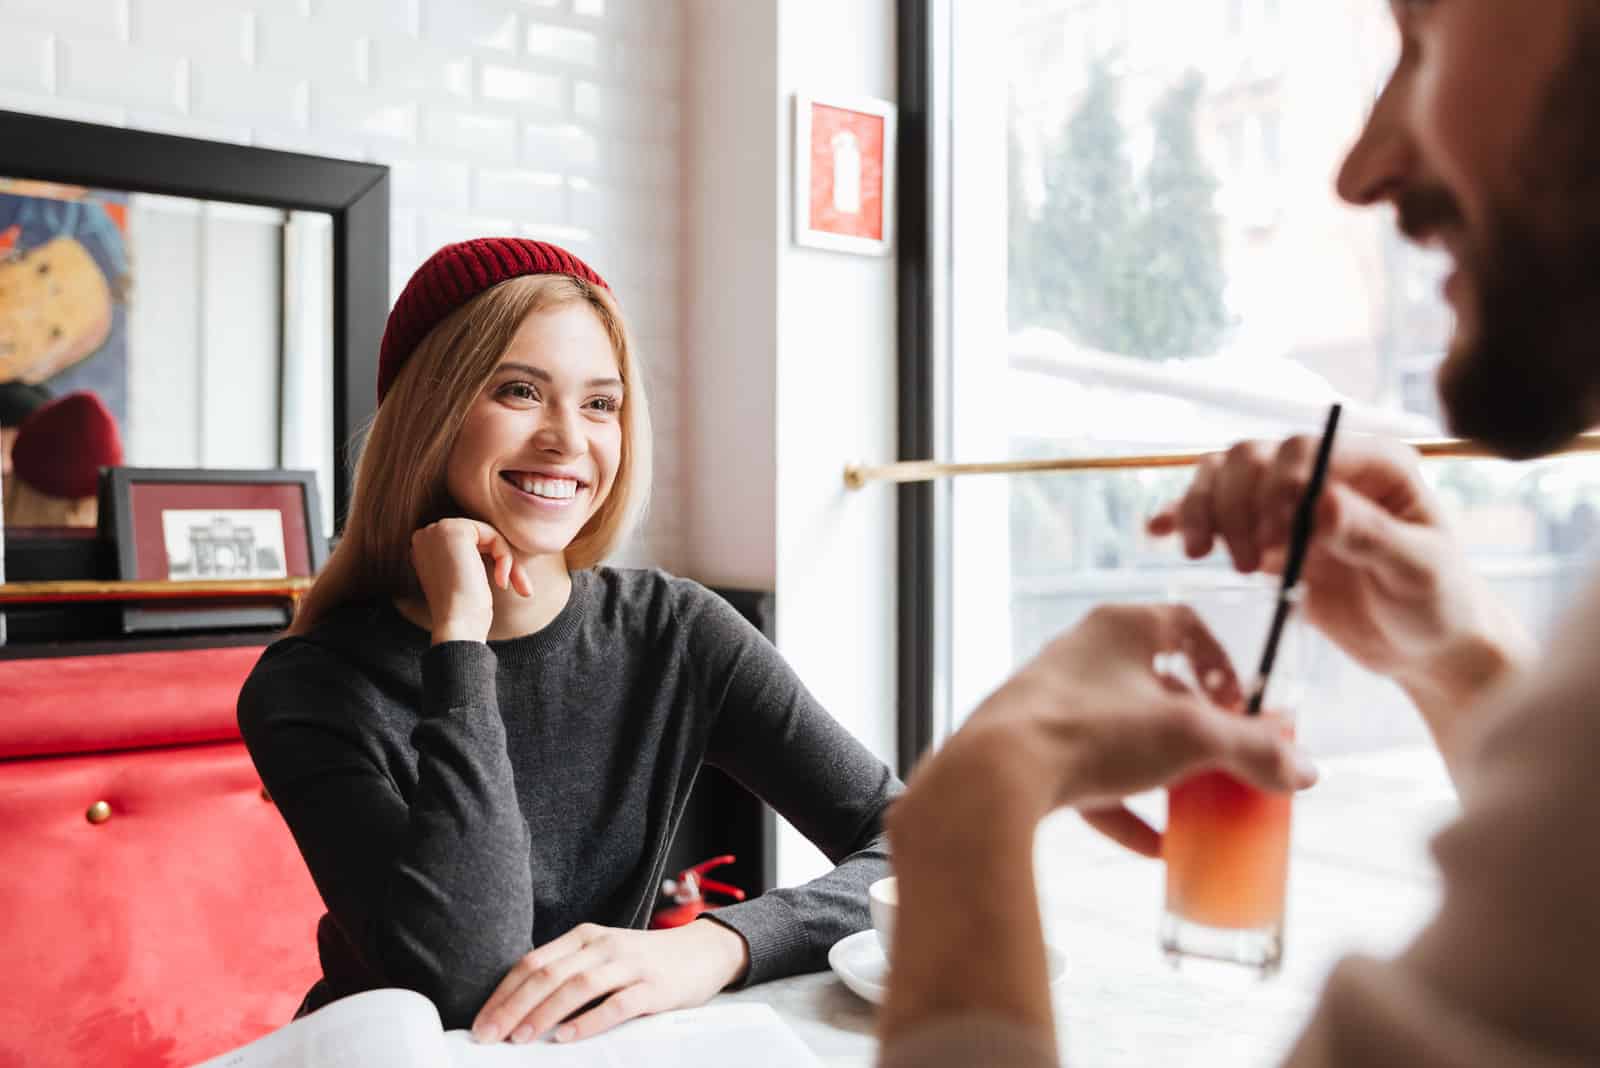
<point>64,284</point>
<point>195,525</point>
<point>844,174</point>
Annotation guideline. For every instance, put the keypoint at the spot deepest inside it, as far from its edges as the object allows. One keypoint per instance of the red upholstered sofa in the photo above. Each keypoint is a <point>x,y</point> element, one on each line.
<point>181,923</point>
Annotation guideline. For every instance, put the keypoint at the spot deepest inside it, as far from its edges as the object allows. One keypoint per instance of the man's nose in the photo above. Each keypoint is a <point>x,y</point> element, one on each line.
<point>1379,164</point>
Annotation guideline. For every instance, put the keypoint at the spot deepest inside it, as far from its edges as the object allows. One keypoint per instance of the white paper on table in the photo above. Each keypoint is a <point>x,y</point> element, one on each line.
<point>715,1036</point>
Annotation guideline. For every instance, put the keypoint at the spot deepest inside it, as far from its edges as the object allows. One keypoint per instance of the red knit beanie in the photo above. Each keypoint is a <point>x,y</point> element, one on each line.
<point>62,446</point>
<point>454,275</point>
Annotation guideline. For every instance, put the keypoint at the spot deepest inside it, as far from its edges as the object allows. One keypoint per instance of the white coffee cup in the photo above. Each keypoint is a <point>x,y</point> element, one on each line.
<point>883,900</point>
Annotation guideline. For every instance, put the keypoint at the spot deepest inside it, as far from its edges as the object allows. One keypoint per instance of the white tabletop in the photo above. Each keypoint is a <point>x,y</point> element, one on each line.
<point>1361,879</point>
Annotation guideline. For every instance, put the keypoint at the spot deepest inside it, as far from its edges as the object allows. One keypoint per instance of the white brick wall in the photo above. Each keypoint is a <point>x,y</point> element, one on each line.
<point>555,119</point>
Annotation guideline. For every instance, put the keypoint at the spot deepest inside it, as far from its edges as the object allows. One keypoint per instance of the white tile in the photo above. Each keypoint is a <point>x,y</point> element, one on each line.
<point>369,16</point>
<point>658,16</point>
<point>634,165</point>
<point>59,108</point>
<point>475,23</point>
<point>217,31</point>
<point>292,44</point>
<point>440,230</point>
<point>402,64</point>
<point>531,90</point>
<point>94,18</point>
<point>567,148</point>
<point>311,143</point>
<point>229,92</point>
<point>637,60</point>
<point>563,44</point>
<point>522,195</point>
<point>490,138</point>
<point>116,74</point>
<point>369,116</point>
<point>431,184</point>
<point>627,110</point>
<point>30,61</point>
<point>605,209</point>
<point>183,126</point>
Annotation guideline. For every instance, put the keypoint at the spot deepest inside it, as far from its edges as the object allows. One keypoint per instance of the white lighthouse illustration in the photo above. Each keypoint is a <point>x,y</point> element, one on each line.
<point>846,173</point>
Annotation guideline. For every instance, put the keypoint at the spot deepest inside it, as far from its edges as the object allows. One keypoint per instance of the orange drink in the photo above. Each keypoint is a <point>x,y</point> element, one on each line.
<point>1227,853</point>
<point>1226,843</point>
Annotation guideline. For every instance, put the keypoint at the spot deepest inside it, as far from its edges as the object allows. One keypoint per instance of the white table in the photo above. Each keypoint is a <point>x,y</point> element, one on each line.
<point>1361,879</point>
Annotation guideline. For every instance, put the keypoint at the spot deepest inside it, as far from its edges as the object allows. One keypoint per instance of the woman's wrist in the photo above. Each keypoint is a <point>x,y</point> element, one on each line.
<point>455,631</point>
<point>727,948</point>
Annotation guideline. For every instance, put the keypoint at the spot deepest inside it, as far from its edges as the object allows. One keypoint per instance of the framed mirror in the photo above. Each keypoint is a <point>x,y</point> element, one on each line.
<point>224,304</point>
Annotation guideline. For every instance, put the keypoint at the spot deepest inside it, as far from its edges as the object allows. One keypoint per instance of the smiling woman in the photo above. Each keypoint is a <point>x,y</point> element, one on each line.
<point>482,740</point>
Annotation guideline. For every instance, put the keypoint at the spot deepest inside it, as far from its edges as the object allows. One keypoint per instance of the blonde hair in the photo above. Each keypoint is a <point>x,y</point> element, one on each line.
<point>400,479</point>
<point>25,506</point>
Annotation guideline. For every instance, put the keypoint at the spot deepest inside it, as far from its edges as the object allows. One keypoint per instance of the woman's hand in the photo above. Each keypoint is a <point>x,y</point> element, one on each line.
<point>636,973</point>
<point>1384,578</point>
<point>455,560</point>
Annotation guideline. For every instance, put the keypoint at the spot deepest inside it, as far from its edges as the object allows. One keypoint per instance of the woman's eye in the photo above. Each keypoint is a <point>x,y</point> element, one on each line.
<point>605,404</point>
<point>518,391</point>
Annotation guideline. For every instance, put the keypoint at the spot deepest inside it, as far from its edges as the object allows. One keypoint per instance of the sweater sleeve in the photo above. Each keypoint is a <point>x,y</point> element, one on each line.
<point>770,734</point>
<point>433,891</point>
<point>1506,972</point>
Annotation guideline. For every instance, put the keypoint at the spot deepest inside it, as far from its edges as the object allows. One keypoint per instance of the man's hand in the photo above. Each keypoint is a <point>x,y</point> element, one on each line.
<point>1095,718</point>
<point>1091,720</point>
<point>1384,578</point>
<point>636,973</point>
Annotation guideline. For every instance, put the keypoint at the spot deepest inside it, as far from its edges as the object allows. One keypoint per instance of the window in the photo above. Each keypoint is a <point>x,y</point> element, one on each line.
<point>1180,275</point>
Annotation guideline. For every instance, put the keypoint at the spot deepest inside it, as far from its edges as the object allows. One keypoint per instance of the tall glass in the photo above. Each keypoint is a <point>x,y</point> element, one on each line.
<point>1226,845</point>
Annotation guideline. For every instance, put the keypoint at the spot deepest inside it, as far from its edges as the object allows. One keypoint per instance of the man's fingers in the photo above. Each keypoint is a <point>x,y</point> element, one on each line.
<point>1125,828</point>
<point>1235,501</point>
<point>1258,750</point>
<point>1403,557</point>
<point>1196,512</point>
<point>1163,522</point>
<point>1218,679</point>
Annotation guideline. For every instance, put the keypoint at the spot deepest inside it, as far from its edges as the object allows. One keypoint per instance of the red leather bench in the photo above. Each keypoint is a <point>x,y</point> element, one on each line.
<point>153,907</point>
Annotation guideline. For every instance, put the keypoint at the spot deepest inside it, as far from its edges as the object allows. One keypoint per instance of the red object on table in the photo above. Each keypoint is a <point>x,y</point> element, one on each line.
<point>687,893</point>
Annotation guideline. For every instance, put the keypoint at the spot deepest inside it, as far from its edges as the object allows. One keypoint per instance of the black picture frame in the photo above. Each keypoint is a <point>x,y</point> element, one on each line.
<point>123,521</point>
<point>355,194</point>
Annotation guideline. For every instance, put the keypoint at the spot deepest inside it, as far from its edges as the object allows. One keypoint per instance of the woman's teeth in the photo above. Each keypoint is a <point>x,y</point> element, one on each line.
<point>556,489</point>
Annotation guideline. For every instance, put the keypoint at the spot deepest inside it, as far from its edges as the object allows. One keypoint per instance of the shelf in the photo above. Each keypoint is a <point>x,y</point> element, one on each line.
<point>290,589</point>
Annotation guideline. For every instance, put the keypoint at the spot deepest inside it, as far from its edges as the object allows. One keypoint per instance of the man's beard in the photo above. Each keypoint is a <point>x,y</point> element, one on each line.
<point>1524,376</point>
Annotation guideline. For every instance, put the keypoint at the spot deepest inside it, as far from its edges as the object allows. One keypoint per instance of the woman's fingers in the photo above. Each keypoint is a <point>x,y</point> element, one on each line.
<point>598,978</point>
<point>1122,826</point>
<point>626,1004</point>
<point>495,1020</point>
<point>520,581</point>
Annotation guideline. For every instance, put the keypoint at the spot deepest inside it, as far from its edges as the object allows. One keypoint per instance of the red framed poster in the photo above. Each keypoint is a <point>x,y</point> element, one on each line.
<point>844,174</point>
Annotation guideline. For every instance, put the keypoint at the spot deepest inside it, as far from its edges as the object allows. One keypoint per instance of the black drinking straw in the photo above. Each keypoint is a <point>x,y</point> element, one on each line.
<point>1299,538</point>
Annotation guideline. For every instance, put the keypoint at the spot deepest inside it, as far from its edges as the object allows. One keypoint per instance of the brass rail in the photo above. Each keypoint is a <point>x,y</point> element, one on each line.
<point>289,589</point>
<point>857,476</point>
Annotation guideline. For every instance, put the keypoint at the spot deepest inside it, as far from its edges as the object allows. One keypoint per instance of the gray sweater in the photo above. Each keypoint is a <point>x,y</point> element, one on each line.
<point>458,805</point>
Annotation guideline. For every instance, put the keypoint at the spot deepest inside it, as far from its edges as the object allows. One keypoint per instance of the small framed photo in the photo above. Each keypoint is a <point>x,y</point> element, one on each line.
<point>196,525</point>
<point>844,174</point>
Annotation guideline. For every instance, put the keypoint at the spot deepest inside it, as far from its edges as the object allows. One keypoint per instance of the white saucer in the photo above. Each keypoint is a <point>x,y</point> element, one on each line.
<point>859,962</point>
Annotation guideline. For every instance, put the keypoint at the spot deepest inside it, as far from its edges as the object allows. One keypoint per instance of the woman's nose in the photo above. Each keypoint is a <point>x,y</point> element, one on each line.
<point>559,431</point>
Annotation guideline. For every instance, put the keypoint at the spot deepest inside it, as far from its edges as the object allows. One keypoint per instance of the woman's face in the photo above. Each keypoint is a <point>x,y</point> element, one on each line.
<point>538,453</point>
